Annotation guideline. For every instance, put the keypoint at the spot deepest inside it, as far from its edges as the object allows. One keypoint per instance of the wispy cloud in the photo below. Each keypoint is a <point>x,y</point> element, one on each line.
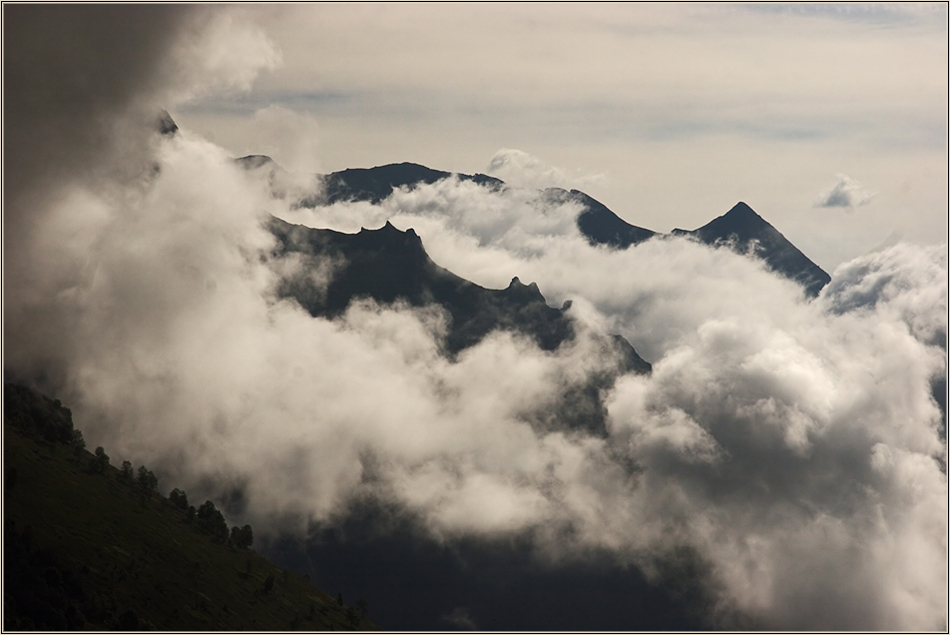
<point>846,193</point>
<point>523,170</point>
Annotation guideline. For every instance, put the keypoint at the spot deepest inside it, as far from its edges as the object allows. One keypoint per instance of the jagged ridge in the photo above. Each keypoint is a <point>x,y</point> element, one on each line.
<point>387,265</point>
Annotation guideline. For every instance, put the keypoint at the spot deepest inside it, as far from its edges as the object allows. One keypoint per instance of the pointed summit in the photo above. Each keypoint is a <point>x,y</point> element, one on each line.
<point>165,124</point>
<point>748,233</point>
<point>742,210</point>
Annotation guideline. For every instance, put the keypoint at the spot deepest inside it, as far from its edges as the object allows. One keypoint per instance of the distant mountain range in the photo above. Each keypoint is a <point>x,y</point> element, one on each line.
<point>389,265</point>
<point>740,228</point>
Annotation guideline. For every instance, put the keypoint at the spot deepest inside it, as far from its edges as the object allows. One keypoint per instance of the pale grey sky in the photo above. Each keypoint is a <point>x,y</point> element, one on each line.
<point>669,114</point>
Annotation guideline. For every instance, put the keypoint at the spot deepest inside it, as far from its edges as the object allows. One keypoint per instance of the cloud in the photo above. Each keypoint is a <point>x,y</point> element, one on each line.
<point>221,53</point>
<point>85,85</point>
<point>905,281</point>
<point>845,193</point>
<point>791,445</point>
<point>523,170</point>
<point>292,139</point>
<point>755,439</point>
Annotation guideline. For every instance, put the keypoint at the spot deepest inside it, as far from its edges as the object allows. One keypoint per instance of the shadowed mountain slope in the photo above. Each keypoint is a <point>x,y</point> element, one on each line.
<point>86,547</point>
<point>598,224</point>
<point>748,233</point>
<point>389,265</point>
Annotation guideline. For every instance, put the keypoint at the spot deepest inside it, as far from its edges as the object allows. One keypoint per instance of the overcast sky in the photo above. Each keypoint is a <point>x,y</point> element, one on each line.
<point>830,121</point>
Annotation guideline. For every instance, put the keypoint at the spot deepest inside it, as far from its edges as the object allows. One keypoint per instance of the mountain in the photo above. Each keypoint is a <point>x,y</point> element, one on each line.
<point>387,265</point>
<point>748,233</point>
<point>376,184</point>
<point>741,228</point>
<point>597,223</point>
<point>88,548</point>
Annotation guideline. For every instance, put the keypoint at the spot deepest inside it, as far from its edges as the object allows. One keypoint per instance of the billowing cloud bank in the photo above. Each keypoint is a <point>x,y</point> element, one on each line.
<point>793,445</point>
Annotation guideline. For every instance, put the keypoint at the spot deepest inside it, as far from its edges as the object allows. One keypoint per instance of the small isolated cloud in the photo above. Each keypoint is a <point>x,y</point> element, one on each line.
<point>524,170</point>
<point>845,193</point>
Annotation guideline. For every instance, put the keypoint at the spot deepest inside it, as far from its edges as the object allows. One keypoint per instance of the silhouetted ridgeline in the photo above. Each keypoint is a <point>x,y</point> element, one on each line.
<point>91,546</point>
<point>740,228</point>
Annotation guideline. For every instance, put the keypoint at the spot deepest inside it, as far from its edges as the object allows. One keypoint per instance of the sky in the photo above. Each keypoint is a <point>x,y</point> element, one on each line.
<point>667,114</point>
<point>784,462</point>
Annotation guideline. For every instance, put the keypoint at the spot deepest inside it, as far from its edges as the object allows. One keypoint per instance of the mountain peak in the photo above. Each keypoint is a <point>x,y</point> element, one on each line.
<point>747,232</point>
<point>165,124</point>
<point>742,209</point>
<point>524,293</point>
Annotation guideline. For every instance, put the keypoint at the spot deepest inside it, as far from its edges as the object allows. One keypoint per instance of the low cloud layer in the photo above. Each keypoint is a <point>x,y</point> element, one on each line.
<point>793,445</point>
<point>845,193</point>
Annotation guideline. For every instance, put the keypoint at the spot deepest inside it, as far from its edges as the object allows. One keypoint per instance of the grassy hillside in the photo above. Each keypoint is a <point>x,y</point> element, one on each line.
<point>90,548</point>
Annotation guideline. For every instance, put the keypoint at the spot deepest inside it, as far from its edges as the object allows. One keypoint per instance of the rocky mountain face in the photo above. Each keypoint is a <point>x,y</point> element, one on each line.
<point>389,265</point>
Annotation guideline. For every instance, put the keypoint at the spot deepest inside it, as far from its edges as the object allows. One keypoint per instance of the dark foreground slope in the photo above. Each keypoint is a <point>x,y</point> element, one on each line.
<point>89,549</point>
<point>416,582</point>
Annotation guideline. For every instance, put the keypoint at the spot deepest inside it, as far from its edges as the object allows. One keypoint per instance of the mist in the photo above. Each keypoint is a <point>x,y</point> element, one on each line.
<point>793,445</point>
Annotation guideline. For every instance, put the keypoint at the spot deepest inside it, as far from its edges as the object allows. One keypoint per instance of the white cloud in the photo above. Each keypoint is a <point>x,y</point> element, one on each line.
<point>221,53</point>
<point>754,437</point>
<point>292,139</point>
<point>523,170</point>
<point>907,282</point>
<point>845,193</point>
